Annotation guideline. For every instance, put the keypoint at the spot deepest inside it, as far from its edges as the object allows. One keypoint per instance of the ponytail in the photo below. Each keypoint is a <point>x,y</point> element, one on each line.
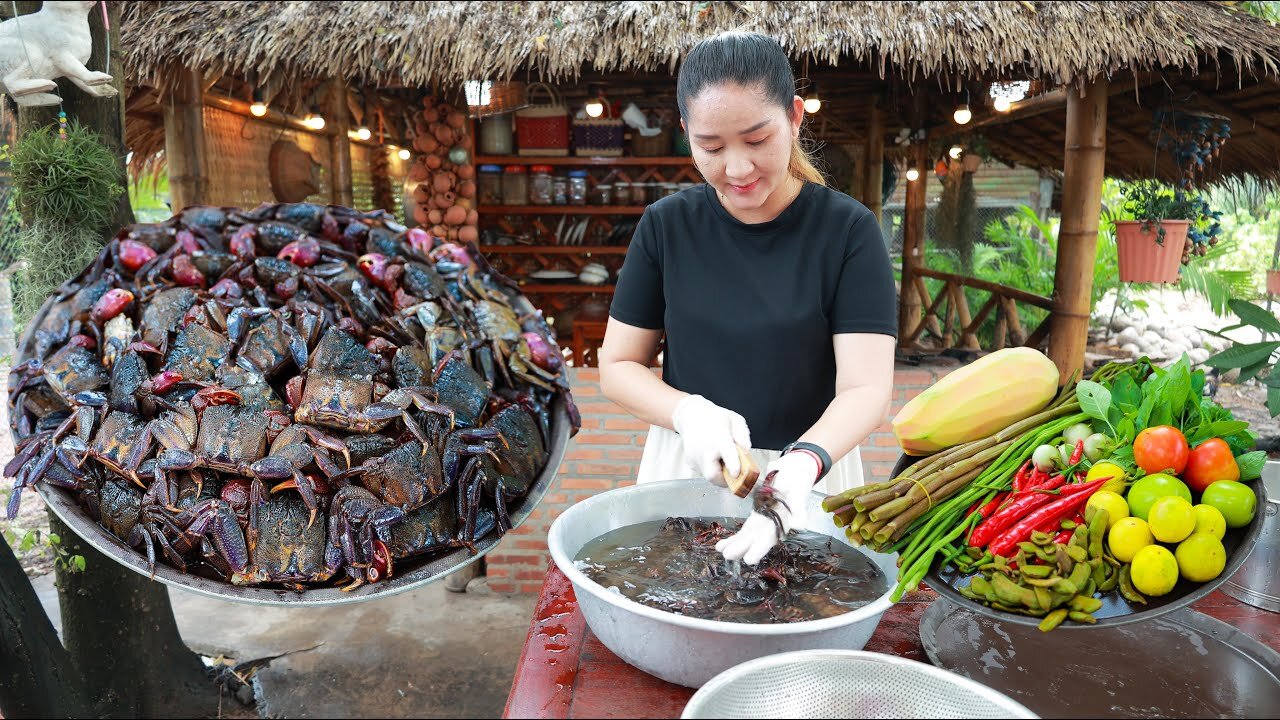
<point>801,164</point>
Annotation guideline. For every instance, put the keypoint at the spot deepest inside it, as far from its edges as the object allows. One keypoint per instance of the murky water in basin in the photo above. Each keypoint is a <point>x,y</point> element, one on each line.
<point>673,565</point>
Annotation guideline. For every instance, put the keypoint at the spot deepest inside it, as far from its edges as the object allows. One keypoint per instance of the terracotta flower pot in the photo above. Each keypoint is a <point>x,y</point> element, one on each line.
<point>1142,259</point>
<point>1273,282</point>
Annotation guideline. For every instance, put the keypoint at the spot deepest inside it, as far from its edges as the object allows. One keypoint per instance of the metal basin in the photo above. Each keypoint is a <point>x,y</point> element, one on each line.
<point>683,650</point>
<point>1257,582</point>
<point>409,574</point>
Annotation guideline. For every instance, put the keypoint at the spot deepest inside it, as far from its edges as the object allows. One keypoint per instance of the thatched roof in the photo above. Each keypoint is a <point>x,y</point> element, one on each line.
<point>389,43</point>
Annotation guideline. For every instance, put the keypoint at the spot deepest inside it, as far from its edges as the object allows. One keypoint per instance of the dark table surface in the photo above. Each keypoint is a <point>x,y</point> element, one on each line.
<point>565,672</point>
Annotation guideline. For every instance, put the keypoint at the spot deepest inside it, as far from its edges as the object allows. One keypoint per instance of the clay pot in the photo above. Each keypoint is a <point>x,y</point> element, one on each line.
<point>466,172</point>
<point>455,215</point>
<point>420,215</point>
<point>431,115</point>
<point>418,172</point>
<point>452,234</point>
<point>441,182</point>
<point>431,161</point>
<point>444,134</point>
<point>467,203</point>
<point>421,194</point>
<point>468,233</point>
<point>439,230</point>
<point>425,142</point>
<point>456,120</point>
<point>434,217</point>
<point>444,201</point>
<point>473,217</point>
<point>467,189</point>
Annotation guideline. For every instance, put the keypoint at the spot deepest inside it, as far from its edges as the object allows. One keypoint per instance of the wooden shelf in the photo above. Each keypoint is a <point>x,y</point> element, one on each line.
<point>553,249</point>
<point>566,288</point>
<point>575,160</point>
<point>562,209</point>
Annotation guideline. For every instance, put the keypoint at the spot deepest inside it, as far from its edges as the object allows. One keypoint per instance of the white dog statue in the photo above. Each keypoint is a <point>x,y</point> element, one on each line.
<point>54,42</point>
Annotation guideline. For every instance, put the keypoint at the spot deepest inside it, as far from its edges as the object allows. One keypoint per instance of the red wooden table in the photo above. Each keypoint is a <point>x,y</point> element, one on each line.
<point>565,672</point>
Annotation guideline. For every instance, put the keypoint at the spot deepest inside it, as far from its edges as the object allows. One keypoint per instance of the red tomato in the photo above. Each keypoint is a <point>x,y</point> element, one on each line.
<point>1210,462</point>
<point>1161,449</point>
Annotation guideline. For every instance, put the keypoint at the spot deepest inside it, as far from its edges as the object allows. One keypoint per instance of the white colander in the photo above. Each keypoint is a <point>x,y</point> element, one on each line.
<point>846,684</point>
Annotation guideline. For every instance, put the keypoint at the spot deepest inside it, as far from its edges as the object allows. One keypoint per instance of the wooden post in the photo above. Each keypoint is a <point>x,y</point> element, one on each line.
<point>1083,167</point>
<point>339,123</point>
<point>184,147</point>
<point>913,225</point>
<point>874,159</point>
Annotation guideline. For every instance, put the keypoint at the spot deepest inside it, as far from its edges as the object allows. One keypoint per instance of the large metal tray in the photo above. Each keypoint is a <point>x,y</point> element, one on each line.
<point>1115,609</point>
<point>1183,664</point>
<point>409,573</point>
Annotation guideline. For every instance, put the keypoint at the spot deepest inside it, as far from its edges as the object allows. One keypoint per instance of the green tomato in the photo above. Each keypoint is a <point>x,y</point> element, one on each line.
<point>1235,500</point>
<point>1145,492</point>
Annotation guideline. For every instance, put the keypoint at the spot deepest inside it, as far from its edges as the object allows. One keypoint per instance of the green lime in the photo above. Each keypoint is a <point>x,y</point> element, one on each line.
<point>1171,519</point>
<point>1127,537</point>
<point>1209,520</point>
<point>1117,509</point>
<point>1201,557</point>
<point>1146,491</point>
<point>1154,571</point>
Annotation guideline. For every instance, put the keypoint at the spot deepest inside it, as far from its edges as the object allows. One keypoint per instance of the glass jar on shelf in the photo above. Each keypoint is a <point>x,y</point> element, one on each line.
<point>515,185</point>
<point>541,191</point>
<point>577,187</point>
<point>602,195</point>
<point>560,190</point>
<point>622,193</point>
<point>489,184</point>
<point>640,193</point>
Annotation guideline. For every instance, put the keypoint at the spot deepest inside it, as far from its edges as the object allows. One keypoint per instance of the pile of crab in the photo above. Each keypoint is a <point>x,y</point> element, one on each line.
<point>296,395</point>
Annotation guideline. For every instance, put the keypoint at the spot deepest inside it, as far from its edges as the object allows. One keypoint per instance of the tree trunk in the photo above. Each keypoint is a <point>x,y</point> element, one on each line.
<point>123,654</point>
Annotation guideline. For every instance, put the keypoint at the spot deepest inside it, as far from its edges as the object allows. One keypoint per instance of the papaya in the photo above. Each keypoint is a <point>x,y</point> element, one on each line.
<point>981,398</point>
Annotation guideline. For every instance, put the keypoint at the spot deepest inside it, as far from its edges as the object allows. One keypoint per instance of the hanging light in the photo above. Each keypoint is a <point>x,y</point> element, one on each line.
<point>363,133</point>
<point>1001,104</point>
<point>314,119</point>
<point>955,151</point>
<point>913,175</point>
<point>595,102</point>
<point>1005,94</point>
<point>812,103</point>
<point>404,154</point>
<point>962,115</point>
<point>259,107</point>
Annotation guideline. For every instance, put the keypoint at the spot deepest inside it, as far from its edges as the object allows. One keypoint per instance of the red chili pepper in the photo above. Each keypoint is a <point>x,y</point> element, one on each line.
<point>1077,453</point>
<point>1020,477</point>
<point>1025,502</point>
<point>991,506</point>
<point>1044,519</point>
<point>1063,537</point>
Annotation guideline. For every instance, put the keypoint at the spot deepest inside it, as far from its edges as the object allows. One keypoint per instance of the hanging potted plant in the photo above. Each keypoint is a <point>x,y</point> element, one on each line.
<point>1155,241</point>
<point>1273,282</point>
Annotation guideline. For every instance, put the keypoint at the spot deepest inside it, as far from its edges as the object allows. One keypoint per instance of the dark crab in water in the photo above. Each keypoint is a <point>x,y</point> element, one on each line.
<point>296,395</point>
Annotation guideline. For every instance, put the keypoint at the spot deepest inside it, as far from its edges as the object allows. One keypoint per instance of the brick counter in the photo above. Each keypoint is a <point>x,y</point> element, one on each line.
<point>606,455</point>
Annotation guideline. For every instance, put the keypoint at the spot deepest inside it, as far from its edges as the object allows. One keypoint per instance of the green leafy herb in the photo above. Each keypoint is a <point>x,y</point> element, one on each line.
<point>1251,464</point>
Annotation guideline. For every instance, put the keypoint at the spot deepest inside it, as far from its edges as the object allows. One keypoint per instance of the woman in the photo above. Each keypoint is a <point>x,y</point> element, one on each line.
<point>775,293</point>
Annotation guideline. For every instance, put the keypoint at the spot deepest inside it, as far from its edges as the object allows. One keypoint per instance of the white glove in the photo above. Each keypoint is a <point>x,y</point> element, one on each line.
<point>709,433</point>
<point>786,487</point>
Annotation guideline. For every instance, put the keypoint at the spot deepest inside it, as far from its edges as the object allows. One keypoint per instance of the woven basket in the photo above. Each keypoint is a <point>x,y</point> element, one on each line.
<point>503,98</point>
<point>655,146</point>
<point>599,137</point>
<point>543,129</point>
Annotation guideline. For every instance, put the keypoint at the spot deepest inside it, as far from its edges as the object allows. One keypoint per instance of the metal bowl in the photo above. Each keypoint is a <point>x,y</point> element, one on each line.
<point>846,684</point>
<point>683,650</point>
<point>1115,610</point>
<point>409,574</point>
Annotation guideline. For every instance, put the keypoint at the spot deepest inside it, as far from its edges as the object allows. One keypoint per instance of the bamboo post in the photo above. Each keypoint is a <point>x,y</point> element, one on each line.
<point>339,124</point>
<point>184,146</point>
<point>913,224</point>
<point>1083,167</point>
<point>873,164</point>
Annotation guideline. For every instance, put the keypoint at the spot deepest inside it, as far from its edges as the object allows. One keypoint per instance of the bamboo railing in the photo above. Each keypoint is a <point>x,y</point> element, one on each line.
<point>947,320</point>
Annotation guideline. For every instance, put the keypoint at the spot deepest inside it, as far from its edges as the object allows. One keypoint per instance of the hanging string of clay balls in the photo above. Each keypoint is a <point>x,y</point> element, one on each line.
<point>446,190</point>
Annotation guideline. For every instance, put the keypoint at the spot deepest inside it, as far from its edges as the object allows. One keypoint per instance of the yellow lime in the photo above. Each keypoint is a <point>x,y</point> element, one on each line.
<point>1201,557</point>
<point>1154,571</point>
<point>1117,509</point>
<point>1171,519</point>
<point>1127,537</point>
<point>1209,520</point>
<point>1111,470</point>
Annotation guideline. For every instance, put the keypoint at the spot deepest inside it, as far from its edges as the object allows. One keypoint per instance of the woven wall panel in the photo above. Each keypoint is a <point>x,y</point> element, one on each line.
<point>237,148</point>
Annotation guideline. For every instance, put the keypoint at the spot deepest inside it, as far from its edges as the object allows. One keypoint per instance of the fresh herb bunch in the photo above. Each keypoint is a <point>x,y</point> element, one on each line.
<point>74,182</point>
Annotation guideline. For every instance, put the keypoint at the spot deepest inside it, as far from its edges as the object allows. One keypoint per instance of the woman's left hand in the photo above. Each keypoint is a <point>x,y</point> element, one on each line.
<point>788,482</point>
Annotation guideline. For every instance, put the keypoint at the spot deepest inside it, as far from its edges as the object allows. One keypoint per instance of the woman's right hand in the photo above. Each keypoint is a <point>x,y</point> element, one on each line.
<point>709,434</point>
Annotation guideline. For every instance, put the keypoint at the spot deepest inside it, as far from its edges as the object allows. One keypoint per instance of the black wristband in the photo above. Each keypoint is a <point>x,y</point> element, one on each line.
<point>823,456</point>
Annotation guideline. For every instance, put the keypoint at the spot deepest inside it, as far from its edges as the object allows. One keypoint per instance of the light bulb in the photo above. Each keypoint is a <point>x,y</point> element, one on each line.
<point>258,109</point>
<point>1001,104</point>
<point>403,154</point>
<point>314,119</point>
<point>595,108</point>
<point>955,151</point>
<point>363,133</point>
<point>812,104</point>
<point>962,115</point>
<point>913,175</point>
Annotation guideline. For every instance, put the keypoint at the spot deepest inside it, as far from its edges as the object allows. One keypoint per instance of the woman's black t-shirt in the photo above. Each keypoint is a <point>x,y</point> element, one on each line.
<point>749,310</point>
